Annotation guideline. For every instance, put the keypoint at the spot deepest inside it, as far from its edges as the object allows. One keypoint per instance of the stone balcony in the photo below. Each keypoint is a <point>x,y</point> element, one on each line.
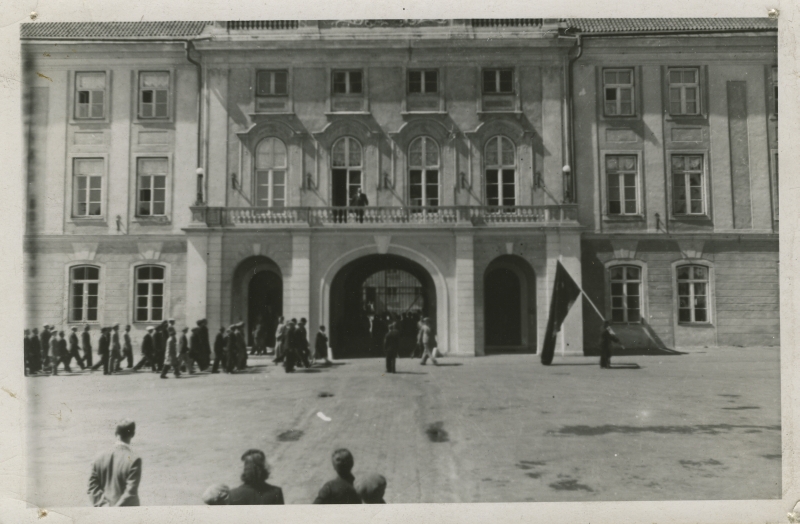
<point>565,215</point>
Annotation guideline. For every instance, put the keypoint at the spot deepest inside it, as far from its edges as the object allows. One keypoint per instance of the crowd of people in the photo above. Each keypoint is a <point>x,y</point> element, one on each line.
<point>116,474</point>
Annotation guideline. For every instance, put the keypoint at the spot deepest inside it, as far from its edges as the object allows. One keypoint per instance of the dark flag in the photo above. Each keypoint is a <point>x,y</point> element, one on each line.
<point>565,293</point>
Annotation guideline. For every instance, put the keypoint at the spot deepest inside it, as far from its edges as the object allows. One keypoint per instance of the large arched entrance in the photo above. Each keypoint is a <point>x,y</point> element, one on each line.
<point>372,291</point>
<point>509,306</point>
<point>257,296</point>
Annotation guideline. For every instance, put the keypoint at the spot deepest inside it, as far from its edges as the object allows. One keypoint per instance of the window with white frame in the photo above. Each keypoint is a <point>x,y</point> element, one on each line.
<point>684,91</point>
<point>270,173</point>
<point>346,165</point>
<point>688,185</point>
<point>87,187</point>
<point>272,83</point>
<point>692,294</point>
<point>90,95</point>
<point>423,172</point>
<point>618,92</point>
<point>347,82</point>
<point>498,81</point>
<point>84,288</point>
<point>154,94</point>
<point>149,293</point>
<point>423,82</point>
<point>500,165</point>
<point>152,191</point>
<point>626,293</point>
<point>622,177</point>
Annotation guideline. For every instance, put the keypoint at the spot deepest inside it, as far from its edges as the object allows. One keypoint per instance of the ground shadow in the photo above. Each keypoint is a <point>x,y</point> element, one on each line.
<point>633,352</point>
<point>408,373</point>
<point>573,364</point>
<point>625,366</point>
<point>443,364</point>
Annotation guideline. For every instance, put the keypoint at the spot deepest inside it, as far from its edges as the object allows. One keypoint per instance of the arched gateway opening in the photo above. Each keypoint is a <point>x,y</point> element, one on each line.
<point>258,296</point>
<point>509,306</point>
<point>369,293</point>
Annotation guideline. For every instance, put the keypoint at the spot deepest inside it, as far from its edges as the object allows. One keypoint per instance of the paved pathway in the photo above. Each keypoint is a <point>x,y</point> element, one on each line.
<point>704,425</point>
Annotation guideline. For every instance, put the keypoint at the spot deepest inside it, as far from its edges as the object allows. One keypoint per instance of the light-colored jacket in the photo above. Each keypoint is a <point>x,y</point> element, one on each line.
<point>426,336</point>
<point>115,476</point>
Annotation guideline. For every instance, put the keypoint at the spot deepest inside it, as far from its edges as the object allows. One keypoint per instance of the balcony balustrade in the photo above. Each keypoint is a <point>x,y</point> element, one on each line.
<point>355,217</point>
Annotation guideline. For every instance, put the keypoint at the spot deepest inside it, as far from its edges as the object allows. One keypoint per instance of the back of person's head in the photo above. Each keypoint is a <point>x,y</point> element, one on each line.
<point>371,488</point>
<point>322,328</point>
<point>61,334</point>
<point>217,495</point>
<point>256,469</point>
<point>126,429</point>
<point>342,461</point>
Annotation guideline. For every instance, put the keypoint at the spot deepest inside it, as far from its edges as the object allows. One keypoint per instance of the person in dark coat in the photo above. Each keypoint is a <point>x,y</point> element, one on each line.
<point>607,337</point>
<point>127,346</point>
<point>204,352</point>
<point>160,338</point>
<point>44,344</point>
<point>254,489</point>
<point>230,350</point>
<point>115,476</point>
<point>36,351</point>
<point>86,345</point>
<point>371,488</point>
<point>103,349</point>
<point>195,348</point>
<point>241,347</point>
<point>116,350</point>
<point>148,351</point>
<point>321,345</point>
<point>280,341</point>
<point>290,356</point>
<point>219,350</point>
<point>74,349</point>
<point>171,355</point>
<point>360,201</point>
<point>59,353</point>
<point>302,343</point>
<point>391,345</point>
<point>340,490</point>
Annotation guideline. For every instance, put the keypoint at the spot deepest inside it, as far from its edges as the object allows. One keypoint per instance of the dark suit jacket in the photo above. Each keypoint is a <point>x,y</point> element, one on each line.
<point>147,345</point>
<point>184,345</point>
<point>102,346</point>
<point>251,494</point>
<point>115,476</point>
<point>391,343</point>
<point>219,344</point>
<point>196,343</point>
<point>338,491</point>
<point>73,342</point>
<point>86,341</point>
<point>361,201</point>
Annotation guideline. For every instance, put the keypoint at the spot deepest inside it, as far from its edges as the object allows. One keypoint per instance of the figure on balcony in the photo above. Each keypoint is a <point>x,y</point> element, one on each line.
<point>360,201</point>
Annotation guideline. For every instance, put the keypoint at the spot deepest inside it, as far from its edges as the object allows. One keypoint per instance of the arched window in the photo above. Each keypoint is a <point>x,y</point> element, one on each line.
<point>423,172</point>
<point>346,166</point>
<point>149,293</point>
<point>270,176</point>
<point>84,287</point>
<point>626,293</point>
<point>692,293</point>
<point>500,162</point>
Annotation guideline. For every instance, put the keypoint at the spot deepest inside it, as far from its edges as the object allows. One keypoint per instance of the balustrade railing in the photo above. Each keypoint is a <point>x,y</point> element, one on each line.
<point>377,216</point>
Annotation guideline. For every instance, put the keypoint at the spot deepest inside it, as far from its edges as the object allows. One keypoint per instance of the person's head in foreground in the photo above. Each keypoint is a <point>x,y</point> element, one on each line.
<point>256,469</point>
<point>126,430</point>
<point>371,488</point>
<point>343,462</point>
<point>217,495</point>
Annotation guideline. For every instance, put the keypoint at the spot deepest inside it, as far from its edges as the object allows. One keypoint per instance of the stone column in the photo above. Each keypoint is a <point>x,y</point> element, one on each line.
<point>465,343</point>
<point>214,312</point>
<point>564,246</point>
<point>300,278</point>
<point>196,276</point>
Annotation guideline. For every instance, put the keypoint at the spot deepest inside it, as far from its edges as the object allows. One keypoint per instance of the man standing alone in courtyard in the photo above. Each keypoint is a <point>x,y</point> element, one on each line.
<point>115,476</point>
<point>607,337</point>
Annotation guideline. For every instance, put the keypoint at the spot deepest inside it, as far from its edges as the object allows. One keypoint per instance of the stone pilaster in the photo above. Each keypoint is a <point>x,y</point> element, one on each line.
<point>300,279</point>
<point>465,341</point>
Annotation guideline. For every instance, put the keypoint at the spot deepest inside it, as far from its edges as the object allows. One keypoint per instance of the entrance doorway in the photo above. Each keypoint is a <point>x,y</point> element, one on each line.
<point>509,306</point>
<point>264,305</point>
<point>373,291</point>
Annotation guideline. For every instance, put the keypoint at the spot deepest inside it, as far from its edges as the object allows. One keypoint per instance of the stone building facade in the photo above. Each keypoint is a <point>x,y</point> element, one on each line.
<point>195,170</point>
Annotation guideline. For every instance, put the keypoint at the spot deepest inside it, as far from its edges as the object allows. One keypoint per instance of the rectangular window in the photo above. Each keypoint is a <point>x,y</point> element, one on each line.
<point>498,81</point>
<point>84,286</point>
<point>347,82</point>
<point>688,185</point>
<point>149,293</point>
<point>87,187</point>
<point>152,192</point>
<point>90,95</point>
<point>154,94</point>
<point>272,83</point>
<point>684,91</point>
<point>626,282</point>
<point>423,82</point>
<point>500,187</point>
<point>692,294</point>
<point>622,175</point>
<point>271,188</point>
<point>618,92</point>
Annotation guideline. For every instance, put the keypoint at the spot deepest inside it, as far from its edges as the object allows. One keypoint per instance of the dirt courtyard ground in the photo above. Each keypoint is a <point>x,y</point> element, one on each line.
<point>702,425</point>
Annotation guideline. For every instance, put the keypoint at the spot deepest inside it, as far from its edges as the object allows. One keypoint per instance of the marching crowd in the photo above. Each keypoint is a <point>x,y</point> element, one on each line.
<point>163,349</point>
<point>116,474</point>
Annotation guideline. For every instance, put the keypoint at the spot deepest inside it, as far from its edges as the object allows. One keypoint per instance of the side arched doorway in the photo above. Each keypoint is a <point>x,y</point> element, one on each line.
<point>369,293</point>
<point>509,306</point>
<point>257,296</point>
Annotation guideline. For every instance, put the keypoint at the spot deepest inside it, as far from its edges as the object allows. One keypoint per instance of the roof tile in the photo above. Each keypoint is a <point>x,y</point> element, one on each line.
<point>80,30</point>
<point>657,25</point>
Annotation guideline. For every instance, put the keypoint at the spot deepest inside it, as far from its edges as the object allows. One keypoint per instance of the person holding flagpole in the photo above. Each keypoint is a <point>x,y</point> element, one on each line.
<point>607,337</point>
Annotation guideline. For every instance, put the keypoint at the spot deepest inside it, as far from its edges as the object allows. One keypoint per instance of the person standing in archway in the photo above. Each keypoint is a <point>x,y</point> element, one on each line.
<point>280,341</point>
<point>391,345</point>
<point>427,340</point>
